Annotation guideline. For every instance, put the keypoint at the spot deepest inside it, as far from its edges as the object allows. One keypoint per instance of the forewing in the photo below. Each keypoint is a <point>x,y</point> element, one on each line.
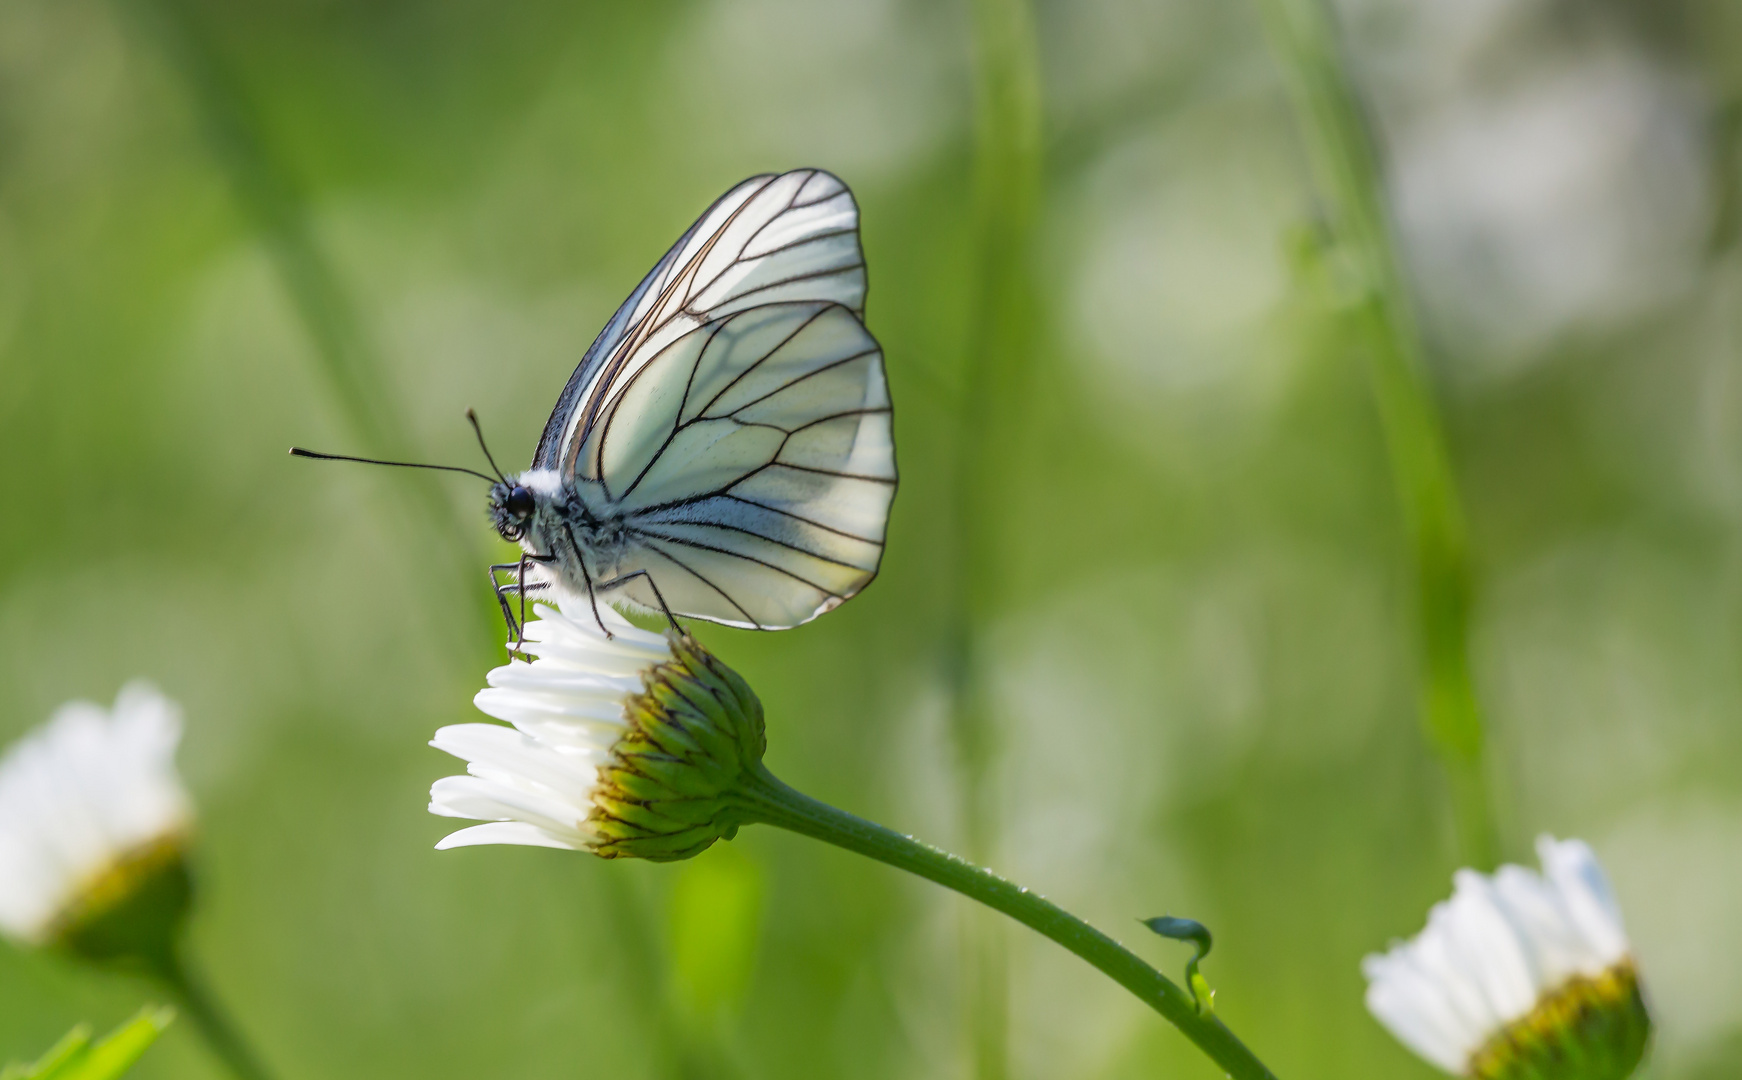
<point>586,373</point>
<point>771,239</point>
<point>754,463</point>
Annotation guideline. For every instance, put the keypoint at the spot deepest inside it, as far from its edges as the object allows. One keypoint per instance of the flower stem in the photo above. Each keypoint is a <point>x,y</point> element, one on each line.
<point>215,1026</point>
<point>1346,165</point>
<point>765,799</point>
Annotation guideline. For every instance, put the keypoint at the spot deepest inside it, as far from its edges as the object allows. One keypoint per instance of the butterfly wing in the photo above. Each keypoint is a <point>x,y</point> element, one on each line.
<point>753,463</point>
<point>772,238</point>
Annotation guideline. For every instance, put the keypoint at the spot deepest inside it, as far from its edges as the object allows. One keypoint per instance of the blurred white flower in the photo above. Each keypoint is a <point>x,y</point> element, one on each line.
<point>534,782</point>
<point>89,802</point>
<point>1519,974</point>
<point>1575,200</point>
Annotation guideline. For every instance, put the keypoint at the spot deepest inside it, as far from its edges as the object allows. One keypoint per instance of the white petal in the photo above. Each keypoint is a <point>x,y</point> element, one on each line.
<point>1414,1010</point>
<point>521,707</point>
<point>504,832</point>
<point>1572,868</point>
<point>500,751</point>
<point>534,782</point>
<point>1555,948</point>
<point>1481,940</point>
<point>489,799</point>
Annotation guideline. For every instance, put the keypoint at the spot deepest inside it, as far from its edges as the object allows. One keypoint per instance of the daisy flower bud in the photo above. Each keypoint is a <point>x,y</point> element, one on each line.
<point>1519,976</point>
<point>625,746</point>
<point>93,826</point>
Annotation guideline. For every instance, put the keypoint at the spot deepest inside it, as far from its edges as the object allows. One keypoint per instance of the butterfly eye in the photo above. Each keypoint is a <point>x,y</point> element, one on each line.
<point>519,502</point>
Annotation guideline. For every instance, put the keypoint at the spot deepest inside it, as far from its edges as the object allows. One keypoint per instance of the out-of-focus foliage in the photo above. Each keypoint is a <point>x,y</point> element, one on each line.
<point>1203,683</point>
<point>76,1057</point>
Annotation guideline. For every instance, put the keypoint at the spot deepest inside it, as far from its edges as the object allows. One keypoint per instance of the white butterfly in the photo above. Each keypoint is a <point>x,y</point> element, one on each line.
<point>724,450</point>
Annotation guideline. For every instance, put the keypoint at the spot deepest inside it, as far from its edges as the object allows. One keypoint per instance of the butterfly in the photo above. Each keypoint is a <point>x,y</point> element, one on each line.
<point>724,451</point>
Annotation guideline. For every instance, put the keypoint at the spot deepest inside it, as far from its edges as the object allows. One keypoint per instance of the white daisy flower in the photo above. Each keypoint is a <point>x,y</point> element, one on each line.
<point>621,745</point>
<point>1519,975</point>
<point>92,814</point>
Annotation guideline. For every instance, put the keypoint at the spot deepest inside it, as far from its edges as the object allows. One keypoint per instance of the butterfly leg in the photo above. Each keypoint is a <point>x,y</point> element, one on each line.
<point>521,577</point>
<point>520,586</point>
<point>663,609</point>
<point>500,588</point>
<point>586,576</point>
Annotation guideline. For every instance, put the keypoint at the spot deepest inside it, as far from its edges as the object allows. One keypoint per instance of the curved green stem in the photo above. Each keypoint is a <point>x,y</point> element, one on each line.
<point>763,798</point>
<point>1346,165</point>
<point>215,1026</point>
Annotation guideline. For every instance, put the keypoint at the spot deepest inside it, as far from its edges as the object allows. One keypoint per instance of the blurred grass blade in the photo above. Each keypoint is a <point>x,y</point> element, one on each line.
<point>1346,168</point>
<point>71,1047</point>
<point>1007,171</point>
<point>274,202</point>
<point>277,207</point>
<point>75,1057</point>
<point>714,931</point>
<point>222,1037</point>
<point>715,922</point>
<point>117,1052</point>
<point>1000,353</point>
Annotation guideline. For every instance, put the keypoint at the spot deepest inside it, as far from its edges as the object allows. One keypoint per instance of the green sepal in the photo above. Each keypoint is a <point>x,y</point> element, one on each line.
<point>654,722</point>
<point>658,815</point>
<point>1588,1029</point>
<point>663,847</point>
<point>694,731</point>
<point>701,697</point>
<point>131,913</point>
<point>652,781</point>
<point>642,817</point>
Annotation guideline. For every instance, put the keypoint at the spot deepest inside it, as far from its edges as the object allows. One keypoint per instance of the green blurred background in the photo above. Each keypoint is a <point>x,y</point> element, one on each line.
<point>1200,670</point>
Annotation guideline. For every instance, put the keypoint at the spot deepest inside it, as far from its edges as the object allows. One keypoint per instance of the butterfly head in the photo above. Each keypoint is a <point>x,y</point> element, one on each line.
<point>512,505</point>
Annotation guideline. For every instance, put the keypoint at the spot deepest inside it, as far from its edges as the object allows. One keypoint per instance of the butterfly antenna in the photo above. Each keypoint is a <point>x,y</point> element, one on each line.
<point>482,445</point>
<point>298,451</point>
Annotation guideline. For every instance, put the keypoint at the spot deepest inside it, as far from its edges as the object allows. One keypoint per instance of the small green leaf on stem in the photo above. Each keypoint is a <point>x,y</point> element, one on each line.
<point>1199,935</point>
